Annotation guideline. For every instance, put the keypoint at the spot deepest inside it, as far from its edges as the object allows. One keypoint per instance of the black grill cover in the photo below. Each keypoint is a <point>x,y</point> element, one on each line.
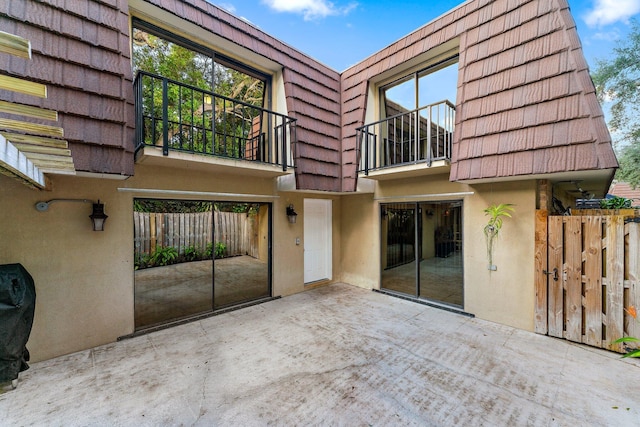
<point>17,306</point>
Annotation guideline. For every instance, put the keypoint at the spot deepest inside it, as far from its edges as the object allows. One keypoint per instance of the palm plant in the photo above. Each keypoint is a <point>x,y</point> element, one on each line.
<point>496,215</point>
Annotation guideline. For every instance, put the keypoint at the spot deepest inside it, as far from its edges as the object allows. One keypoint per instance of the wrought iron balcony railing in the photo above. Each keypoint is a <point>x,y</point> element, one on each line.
<point>423,135</point>
<point>178,116</point>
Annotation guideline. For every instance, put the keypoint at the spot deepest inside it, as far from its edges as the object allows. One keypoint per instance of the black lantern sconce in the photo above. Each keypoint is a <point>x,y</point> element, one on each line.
<point>98,217</point>
<point>291,214</point>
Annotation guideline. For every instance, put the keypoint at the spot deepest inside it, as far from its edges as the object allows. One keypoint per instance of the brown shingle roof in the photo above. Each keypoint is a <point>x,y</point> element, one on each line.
<point>525,103</point>
<point>624,189</point>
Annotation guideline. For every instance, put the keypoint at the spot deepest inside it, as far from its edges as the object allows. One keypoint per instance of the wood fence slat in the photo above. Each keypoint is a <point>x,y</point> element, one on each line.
<point>236,230</point>
<point>152,231</point>
<point>170,229</point>
<point>573,279</point>
<point>632,327</point>
<point>137,249</point>
<point>161,229</point>
<point>145,227</point>
<point>555,296</point>
<point>615,282</point>
<point>593,281</point>
<point>541,308</point>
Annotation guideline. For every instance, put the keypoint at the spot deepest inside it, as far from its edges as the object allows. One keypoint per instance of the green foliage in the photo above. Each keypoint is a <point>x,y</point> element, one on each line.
<point>208,252</point>
<point>616,203</point>
<point>496,212</point>
<point>171,206</point>
<point>194,113</point>
<point>632,353</point>
<point>617,81</point>
<point>221,250</point>
<point>629,159</point>
<point>493,227</point>
<point>191,253</point>
<point>163,256</point>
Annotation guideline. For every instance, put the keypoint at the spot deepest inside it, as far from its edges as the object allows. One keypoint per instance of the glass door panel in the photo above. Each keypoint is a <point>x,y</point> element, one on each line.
<point>421,250</point>
<point>192,257</point>
<point>398,247</point>
<point>441,276</point>
<point>174,270</point>
<point>241,250</point>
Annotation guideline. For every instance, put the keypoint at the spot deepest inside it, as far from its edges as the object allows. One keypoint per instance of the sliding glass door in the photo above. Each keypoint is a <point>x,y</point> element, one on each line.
<point>421,250</point>
<point>194,257</point>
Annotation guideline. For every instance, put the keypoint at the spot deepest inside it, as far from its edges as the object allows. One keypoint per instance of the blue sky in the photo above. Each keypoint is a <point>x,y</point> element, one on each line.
<point>340,33</point>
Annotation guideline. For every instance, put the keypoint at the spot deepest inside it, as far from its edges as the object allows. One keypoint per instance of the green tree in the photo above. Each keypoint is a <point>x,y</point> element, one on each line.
<point>617,81</point>
<point>193,113</point>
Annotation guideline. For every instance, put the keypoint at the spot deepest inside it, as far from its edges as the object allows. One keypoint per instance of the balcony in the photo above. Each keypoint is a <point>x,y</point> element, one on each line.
<point>180,125</point>
<point>411,143</point>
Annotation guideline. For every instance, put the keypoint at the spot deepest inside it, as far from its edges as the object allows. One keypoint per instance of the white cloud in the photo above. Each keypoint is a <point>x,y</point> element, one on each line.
<point>607,12</point>
<point>310,9</point>
<point>609,36</point>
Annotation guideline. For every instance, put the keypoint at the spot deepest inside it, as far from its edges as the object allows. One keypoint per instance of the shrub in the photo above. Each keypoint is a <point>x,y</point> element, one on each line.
<point>615,203</point>
<point>191,253</point>
<point>221,249</point>
<point>163,256</point>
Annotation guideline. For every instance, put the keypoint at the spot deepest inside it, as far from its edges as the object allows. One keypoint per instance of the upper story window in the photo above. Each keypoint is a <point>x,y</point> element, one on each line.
<point>429,86</point>
<point>158,52</point>
<point>417,118</point>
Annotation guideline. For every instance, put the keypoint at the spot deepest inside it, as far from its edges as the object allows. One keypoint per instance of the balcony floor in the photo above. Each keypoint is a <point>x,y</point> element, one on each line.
<point>408,170</point>
<point>153,156</point>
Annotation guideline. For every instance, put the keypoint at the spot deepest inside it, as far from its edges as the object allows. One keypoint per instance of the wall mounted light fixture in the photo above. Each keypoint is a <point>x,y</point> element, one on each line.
<point>291,214</point>
<point>98,217</point>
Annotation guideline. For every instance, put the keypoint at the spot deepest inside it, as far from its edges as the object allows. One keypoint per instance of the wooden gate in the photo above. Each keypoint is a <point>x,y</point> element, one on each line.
<point>587,273</point>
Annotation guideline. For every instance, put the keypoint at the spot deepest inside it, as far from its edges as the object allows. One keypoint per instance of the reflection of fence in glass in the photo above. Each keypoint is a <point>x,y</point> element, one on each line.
<point>421,135</point>
<point>237,231</point>
<point>176,116</point>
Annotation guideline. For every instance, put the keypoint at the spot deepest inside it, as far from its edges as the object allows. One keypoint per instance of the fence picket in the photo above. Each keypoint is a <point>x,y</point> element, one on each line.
<point>556,295</point>
<point>614,272</point>
<point>599,261</point>
<point>631,326</point>
<point>238,231</point>
<point>573,279</point>
<point>593,281</point>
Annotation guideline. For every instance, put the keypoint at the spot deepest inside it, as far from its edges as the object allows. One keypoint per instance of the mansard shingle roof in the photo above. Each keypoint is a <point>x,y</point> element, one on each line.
<point>526,103</point>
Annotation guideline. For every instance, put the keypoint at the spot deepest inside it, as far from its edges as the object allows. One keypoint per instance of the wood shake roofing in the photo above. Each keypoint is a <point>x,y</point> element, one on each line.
<point>312,90</point>
<point>81,52</point>
<point>526,103</point>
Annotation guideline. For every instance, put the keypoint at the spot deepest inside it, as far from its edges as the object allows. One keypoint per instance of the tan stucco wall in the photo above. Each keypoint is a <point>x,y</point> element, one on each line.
<point>505,295</point>
<point>84,279</point>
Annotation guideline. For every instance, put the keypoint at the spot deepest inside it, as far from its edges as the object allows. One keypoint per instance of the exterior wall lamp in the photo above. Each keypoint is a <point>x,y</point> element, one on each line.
<point>291,214</point>
<point>98,217</point>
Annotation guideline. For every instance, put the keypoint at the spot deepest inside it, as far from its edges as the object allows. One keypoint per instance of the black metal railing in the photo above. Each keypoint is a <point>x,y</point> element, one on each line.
<point>423,135</point>
<point>178,116</point>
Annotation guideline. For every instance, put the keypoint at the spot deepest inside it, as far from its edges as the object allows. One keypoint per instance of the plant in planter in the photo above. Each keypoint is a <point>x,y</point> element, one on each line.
<point>616,203</point>
<point>496,214</point>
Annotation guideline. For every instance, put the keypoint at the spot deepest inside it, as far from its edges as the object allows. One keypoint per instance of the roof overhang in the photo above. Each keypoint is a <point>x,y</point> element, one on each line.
<point>595,182</point>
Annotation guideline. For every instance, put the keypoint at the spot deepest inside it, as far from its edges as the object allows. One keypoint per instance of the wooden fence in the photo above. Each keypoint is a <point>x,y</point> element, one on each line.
<point>587,273</point>
<point>238,232</point>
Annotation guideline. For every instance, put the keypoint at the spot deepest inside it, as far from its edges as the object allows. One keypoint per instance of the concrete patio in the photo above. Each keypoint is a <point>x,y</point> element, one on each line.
<point>336,355</point>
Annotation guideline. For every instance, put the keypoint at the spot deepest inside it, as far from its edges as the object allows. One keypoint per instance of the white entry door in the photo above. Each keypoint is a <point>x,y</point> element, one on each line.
<point>317,240</point>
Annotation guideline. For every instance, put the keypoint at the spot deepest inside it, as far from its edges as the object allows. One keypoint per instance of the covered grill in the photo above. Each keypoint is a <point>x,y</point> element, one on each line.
<point>17,306</point>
